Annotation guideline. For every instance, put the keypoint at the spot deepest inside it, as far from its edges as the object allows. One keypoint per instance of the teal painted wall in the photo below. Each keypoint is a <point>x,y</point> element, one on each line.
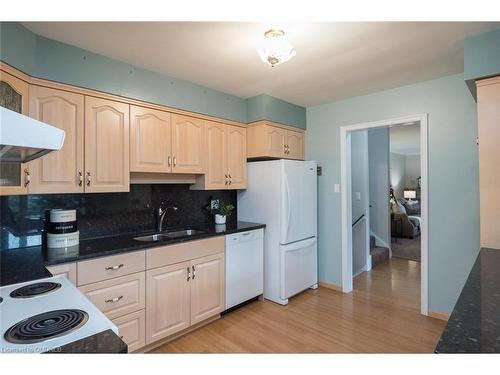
<point>481,58</point>
<point>453,176</point>
<point>265,107</point>
<point>52,60</point>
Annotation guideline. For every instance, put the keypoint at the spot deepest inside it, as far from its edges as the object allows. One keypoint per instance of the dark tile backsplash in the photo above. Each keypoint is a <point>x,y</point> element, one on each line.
<point>106,214</point>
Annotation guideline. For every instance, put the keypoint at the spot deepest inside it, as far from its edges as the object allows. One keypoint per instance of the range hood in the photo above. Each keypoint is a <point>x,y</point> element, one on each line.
<point>23,139</point>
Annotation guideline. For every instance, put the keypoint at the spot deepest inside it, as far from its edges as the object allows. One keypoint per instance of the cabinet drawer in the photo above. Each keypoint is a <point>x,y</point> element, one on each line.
<point>118,296</point>
<point>105,268</point>
<point>132,329</point>
<point>165,255</point>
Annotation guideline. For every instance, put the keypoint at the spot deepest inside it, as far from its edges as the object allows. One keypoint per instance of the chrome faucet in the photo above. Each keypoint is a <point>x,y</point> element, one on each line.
<point>161,215</point>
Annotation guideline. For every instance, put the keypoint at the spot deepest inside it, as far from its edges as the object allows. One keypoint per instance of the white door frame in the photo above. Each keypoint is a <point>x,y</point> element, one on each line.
<point>346,202</point>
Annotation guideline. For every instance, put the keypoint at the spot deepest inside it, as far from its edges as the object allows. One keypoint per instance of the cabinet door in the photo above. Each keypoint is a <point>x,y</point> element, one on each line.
<point>207,287</point>
<point>150,140</point>
<point>216,156</point>
<point>106,146</point>
<point>167,301</point>
<point>60,171</point>
<point>187,144</point>
<point>237,157</point>
<point>488,111</point>
<point>14,177</point>
<point>131,328</point>
<point>66,269</point>
<point>275,141</point>
<point>295,143</point>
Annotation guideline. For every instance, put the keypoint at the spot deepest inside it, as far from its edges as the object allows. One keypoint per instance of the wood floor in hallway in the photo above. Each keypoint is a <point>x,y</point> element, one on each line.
<point>380,316</point>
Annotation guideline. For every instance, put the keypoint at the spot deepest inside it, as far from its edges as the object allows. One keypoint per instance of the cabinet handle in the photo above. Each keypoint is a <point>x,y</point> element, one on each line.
<point>27,178</point>
<point>113,300</point>
<point>169,161</point>
<point>80,178</point>
<point>194,272</point>
<point>189,273</point>
<point>89,179</point>
<point>112,268</point>
<point>175,161</point>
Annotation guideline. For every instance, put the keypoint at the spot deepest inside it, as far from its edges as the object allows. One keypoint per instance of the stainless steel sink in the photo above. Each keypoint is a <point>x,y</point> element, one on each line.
<point>168,235</point>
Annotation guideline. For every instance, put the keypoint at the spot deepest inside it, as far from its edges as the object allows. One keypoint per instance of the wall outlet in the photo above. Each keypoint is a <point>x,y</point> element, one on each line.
<point>214,203</point>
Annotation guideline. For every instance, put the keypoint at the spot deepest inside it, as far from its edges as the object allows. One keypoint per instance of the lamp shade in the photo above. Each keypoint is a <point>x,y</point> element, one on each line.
<point>410,194</point>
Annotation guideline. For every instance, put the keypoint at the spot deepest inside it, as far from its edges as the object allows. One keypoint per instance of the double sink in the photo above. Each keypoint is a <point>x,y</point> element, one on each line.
<point>169,235</point>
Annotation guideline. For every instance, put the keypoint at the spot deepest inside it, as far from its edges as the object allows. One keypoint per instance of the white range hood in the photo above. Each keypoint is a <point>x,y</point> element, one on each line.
<point>23,139</point>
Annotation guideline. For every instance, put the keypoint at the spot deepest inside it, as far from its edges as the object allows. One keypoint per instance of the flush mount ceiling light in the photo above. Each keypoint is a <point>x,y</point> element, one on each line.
<point>275,48</point>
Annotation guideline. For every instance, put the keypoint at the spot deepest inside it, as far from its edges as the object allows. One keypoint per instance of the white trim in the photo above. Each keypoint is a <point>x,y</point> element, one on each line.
<point>346,201</point>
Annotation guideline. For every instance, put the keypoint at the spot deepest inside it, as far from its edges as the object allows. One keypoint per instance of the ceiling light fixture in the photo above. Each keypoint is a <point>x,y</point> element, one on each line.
<point>275,48</point>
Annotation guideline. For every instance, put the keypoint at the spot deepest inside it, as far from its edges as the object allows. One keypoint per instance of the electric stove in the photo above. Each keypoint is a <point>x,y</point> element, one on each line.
<point>42,315</point>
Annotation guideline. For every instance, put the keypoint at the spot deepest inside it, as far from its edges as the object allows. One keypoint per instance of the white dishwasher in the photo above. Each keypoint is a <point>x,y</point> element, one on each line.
<point>244,266</point>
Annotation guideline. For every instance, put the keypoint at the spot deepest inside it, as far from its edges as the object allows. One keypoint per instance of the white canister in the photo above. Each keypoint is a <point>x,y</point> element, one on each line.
<point>220,219</point>
<point>63,240</point>
<point>58,215</point>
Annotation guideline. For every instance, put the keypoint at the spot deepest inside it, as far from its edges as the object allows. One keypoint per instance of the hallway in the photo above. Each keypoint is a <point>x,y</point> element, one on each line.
<point>380,316</point>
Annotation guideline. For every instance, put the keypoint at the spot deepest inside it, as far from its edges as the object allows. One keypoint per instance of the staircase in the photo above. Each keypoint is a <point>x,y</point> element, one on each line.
<point>378,254</point>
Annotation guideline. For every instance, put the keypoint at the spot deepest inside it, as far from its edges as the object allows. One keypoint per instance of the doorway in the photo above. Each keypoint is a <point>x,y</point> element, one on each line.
<point>347,203</point>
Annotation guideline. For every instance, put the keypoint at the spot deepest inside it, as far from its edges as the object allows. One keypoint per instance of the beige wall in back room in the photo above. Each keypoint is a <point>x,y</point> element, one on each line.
<point>412,171</point>
<point>397,173</point>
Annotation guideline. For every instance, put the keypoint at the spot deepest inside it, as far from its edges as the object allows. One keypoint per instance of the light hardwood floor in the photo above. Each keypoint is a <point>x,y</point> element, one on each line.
<point>380,316</point>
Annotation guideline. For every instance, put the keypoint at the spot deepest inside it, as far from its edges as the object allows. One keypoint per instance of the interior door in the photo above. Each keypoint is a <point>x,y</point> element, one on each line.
<point>298,200</point>
<point>107,164</point>
<point>59,171</point>
<point>237,157</point>
<point>299,267</point>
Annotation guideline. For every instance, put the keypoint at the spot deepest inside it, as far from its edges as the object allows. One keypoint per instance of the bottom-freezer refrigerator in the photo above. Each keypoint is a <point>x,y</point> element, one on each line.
<point>283,195</point>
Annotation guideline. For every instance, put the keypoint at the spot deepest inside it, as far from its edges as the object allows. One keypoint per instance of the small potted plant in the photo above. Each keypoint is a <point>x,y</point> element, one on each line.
<point>221,210</point>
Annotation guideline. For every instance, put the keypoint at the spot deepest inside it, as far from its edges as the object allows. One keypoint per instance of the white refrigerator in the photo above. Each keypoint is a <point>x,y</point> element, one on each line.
<point>283,195</point>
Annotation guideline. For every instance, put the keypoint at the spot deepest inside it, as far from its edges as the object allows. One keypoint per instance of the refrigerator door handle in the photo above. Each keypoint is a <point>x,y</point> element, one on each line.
<point>288,205</point>
<point>298,245</point>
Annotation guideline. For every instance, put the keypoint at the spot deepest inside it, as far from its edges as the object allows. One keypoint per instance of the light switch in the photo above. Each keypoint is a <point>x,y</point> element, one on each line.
<point>358,195</point>
<point>336,188</point>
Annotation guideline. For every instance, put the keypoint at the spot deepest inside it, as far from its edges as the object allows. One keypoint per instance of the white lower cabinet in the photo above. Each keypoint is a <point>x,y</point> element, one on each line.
<point>132,329</point>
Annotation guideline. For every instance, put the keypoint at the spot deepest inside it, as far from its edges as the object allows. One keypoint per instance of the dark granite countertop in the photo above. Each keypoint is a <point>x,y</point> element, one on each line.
<point>106,342</point>
<point>474,324</point>
<point>25,264</point>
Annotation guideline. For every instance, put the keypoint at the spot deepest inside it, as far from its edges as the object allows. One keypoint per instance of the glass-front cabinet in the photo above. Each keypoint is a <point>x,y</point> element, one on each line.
<point>14,177</point>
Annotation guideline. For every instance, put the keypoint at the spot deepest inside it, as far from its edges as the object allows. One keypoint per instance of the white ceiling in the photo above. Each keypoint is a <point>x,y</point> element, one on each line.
<point>334,60</point>
<point>405,140</point>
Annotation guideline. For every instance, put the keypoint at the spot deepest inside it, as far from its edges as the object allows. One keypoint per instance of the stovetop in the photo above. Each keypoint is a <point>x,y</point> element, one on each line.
<point>45,314</point>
